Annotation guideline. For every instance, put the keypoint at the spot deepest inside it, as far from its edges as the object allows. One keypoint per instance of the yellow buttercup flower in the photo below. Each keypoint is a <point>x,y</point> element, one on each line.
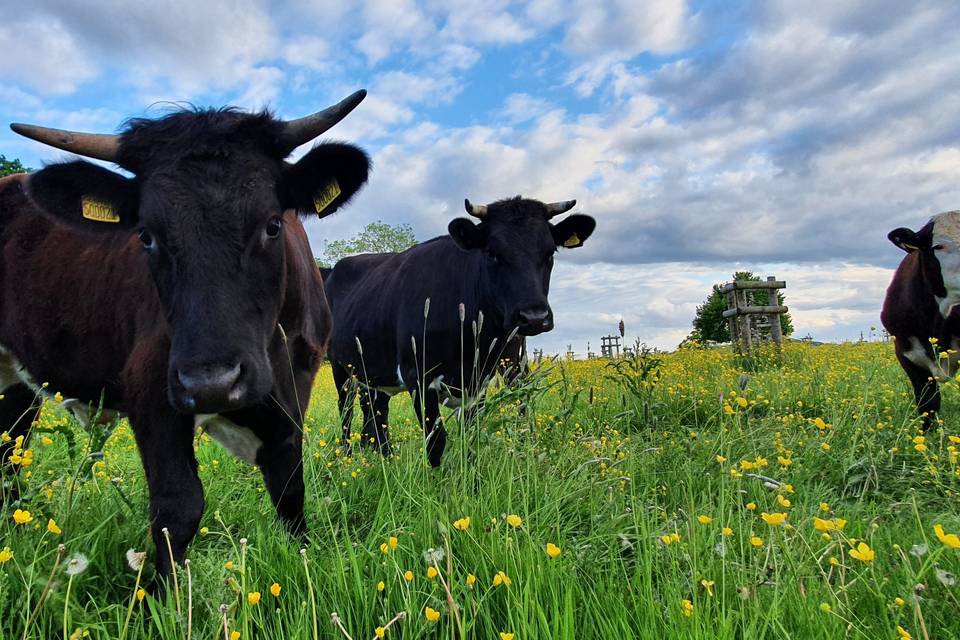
<point>432,573</point>
<point>141,594</point>
<point>687,607</point>
<point>22,517</point>
<point>903,633</point>
<point>727,531</point>
<point>253,598</point>
<point>553,550</point>
<point>408,575</point>
<point>53,528</point>
<point>432,615</point>
<point>275,590</point>
<point>824,507</point>
<point>506,636</point>
<point>751,506</point>
<point>384,548</point>
<point>471,580</point>
<point>5,555</point>
<point>381,586</point>
<point>756,541</point>
<point>393,542</point>
<point>234,635</point>
<point>951,540</point>
<point>836,524</point>
<point>704,519</point>
<point>708,585</point>
<point>774,519</point>
<point>380,632</point>
<point>502,579</point>
<point>462,524</point>
<point>670,538</point>
<point>863,553</point>
<point>783,502</point>
<point>514,520</point>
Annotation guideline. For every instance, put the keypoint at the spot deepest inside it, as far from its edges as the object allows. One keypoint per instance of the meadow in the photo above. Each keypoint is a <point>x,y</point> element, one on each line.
<point>679,495</point>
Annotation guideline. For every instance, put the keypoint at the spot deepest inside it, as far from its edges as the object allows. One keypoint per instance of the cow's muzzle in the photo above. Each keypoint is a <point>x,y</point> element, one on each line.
<point>533,321</point>
<point>210,388</point>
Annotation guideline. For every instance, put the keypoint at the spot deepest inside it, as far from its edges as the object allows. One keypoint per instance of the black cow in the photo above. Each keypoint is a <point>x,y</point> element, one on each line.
<point>920,309</point>
<point>186,295</point>
<point>434,319</point>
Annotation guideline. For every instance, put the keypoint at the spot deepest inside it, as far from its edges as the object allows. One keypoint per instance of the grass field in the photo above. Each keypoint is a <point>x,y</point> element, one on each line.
<point>681,499</point>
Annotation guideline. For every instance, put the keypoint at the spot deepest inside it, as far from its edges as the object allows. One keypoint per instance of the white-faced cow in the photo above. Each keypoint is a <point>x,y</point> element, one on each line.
<point>921,304</point>
<point>384,341</point>
<point>184,295</point>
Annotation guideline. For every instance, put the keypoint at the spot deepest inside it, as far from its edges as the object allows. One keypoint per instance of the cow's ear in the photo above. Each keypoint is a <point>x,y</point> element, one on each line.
<point>324,180</point>
<point>86,195</point>
<point>905,238</point>
<point>573,231</point>
<point>466,234</point>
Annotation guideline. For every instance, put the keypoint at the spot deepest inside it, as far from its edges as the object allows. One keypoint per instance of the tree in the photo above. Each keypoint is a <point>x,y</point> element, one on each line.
<point>709,323</point>
<point>376,237</point>
<point>10,167</point>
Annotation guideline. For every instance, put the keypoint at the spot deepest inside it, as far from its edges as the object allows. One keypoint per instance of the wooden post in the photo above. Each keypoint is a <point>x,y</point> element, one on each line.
<point>733,320</point>
<point>745,331</point>
<point>776,331</point>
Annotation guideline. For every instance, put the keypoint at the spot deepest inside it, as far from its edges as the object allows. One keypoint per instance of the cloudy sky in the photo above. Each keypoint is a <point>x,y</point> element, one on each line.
<point>778,136</point>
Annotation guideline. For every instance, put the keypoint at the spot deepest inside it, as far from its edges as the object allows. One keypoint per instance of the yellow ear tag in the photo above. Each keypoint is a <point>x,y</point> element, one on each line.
<point>909,247</point>
<point>98,210</point>
<point>326,195</point>
<point>572,241</point>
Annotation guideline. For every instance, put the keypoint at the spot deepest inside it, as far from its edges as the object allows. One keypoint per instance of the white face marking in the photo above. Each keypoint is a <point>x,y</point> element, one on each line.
<point>240,441</point>
<point>946,243</point>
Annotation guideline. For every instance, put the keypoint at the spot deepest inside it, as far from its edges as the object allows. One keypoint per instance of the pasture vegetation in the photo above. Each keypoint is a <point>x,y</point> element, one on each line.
<point>673,496</point>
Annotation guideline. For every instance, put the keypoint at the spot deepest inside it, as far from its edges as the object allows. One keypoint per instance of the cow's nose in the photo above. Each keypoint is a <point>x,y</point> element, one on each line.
<point>535,320</point>
<point>209,381</point>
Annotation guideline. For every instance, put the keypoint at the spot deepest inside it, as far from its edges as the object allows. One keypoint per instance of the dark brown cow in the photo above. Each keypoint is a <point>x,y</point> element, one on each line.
<point>184,296</point>
<point>921,305</point>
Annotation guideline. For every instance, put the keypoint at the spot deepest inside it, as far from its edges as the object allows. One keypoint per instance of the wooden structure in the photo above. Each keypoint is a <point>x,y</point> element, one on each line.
<point>749,322</point>
<point>610,347</point>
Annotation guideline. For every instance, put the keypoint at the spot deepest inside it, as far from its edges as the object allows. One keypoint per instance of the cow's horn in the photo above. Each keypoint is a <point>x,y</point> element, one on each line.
<point>101,146</point>
<point>556,208</point>
<point>296,132</point>
<point>476,210</point>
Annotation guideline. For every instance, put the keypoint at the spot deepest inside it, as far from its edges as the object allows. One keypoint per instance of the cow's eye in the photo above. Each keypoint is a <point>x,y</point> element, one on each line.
<point>938,247</point>
<point>147,239</point>
<point>273,228</point>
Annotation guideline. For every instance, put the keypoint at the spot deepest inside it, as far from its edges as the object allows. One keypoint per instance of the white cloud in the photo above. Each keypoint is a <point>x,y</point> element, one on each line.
<point>62,66</point>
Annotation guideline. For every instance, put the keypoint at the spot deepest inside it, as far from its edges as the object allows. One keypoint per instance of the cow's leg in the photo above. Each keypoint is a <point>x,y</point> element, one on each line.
<point>346,393</point>
<point>428,413</point>
<point>18,409</point>
<point>926,391</point>
<point>281,461</point>
<point>165,440</point>
<point>376,411</point>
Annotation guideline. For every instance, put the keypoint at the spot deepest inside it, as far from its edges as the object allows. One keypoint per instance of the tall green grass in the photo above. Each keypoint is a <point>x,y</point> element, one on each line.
<point>633,475</point>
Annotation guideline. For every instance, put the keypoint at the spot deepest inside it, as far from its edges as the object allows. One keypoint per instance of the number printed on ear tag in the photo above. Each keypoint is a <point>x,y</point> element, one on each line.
<point>98,210</point>
<point>326,195</point>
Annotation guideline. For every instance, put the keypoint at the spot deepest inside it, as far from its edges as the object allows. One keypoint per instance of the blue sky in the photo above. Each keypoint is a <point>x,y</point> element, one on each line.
<point>706,137</point>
